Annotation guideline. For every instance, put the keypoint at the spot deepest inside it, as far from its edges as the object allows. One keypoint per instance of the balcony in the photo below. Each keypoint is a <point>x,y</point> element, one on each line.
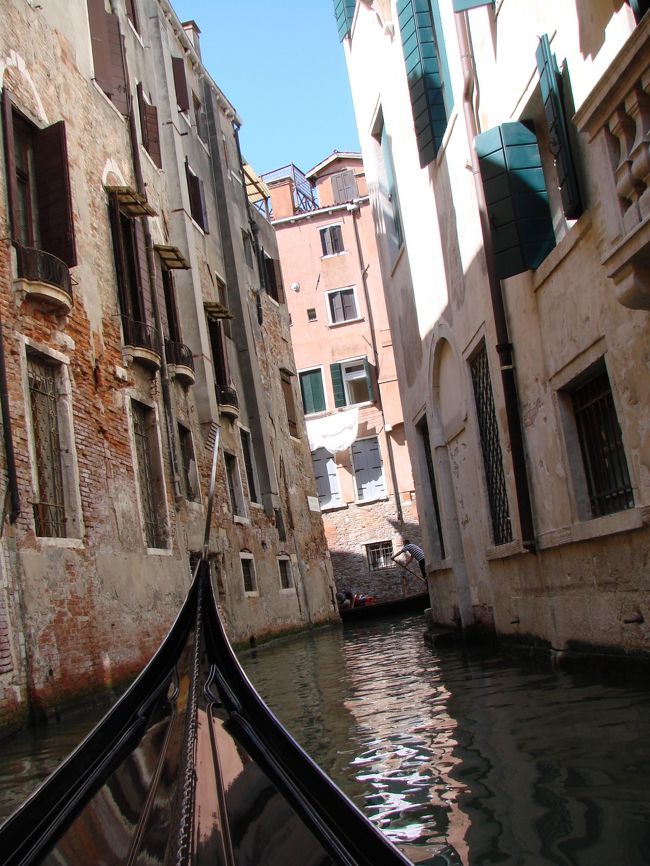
<point>140,343</point>
<point>616,120</point>
<point>43,278</point>
<point>228,401</point>
<point>180,362</point>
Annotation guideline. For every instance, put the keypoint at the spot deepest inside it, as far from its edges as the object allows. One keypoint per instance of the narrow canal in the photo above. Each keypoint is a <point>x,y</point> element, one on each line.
<point>459,757</point>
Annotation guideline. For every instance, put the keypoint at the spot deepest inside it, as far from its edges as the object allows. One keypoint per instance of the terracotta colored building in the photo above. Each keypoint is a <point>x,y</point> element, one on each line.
<point>346,370</point>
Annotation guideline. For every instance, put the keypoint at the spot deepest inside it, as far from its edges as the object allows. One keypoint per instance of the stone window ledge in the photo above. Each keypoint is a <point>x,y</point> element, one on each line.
<point>503,551</point>
<point>611,524</point>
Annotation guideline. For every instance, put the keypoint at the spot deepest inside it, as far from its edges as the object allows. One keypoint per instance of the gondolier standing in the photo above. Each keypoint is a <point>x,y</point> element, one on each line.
<point>413,552</point>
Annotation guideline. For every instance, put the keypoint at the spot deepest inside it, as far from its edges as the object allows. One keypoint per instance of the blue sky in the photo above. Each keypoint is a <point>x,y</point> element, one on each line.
<point>282,66</point>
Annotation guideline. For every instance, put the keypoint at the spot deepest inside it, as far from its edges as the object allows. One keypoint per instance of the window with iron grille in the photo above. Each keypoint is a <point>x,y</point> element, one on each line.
<point>189,474</point>
<point>601,444</point>
<point>249,464</point>
<point>234,485</point>
<point>248,573</point>
<point>49,508</point>
<point>491,448</point>
<point>380,555</point>
<point>331,239</point>
<point>286,577</point>
<point>150,483</point>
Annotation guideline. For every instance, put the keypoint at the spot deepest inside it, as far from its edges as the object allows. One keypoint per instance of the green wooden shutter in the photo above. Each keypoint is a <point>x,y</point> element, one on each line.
<point>558,131</point>
<point>464,5</point>
<point>311,388</point>
<point>337,385</point>
<point>428,82</point>
<point>516,198</point>
<point>370,379</point>
<point>344,13</point>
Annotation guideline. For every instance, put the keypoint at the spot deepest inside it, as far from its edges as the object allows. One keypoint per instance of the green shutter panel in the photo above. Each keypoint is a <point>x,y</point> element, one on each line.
<point>337,385</point>
<point>425,76</point>
<point>317,391</point>
<point>344,13</point>
<point>558,131</point>
<point>370,379</point>
<point>464,5</point>
<point>306,392</point>
<point>516,198</point>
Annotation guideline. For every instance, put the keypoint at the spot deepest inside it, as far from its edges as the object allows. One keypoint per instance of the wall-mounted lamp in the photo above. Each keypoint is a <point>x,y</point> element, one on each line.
<point>295,287</point>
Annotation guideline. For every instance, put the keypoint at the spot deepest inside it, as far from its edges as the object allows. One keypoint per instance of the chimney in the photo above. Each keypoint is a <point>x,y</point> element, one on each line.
<point>191,28</point>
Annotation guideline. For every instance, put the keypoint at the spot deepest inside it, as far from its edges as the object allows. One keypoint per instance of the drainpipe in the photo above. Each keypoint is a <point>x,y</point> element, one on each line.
<point>151,262</point>
<point>504,346</point>
<point>8,438</point>
<point>355,210</point>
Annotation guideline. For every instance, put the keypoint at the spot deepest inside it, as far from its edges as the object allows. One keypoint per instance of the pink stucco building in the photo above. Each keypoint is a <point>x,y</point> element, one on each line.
<point>346,369</point>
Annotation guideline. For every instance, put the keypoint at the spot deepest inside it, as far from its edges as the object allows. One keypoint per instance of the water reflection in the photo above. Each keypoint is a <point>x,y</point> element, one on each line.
<point>469,759</point>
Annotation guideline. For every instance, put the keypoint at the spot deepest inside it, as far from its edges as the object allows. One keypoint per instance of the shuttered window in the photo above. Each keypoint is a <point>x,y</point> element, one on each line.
<point>331,239</point>
<point>327,482</point>
<point>234,485</point>
<point>149,127</point>
<point>427,73</point>
<point>197,198</point>
<point>38,181</point>
<point>180,84</point>
<point>107,54</point>
<point>344,186</point>
<point>132,273</point>
<point>344,13</point>
<point>342,306</point>
<point>558,129</point>
<point>273,278</point>
<point>150,481</point>
<point>289,402</point>
<point>516,198</point>
<point>313,393</point>
<point>368,470</point>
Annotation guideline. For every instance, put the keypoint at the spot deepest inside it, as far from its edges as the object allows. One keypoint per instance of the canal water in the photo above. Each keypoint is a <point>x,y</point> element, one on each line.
<point>459,757</point>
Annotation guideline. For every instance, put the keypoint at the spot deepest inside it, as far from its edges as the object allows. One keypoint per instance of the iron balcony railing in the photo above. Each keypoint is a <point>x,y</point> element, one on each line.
<point>49,519</point>
<point>38,266</point>
<point>179,354</point>
<point>139,334</point>
<point>304,195</point>
<point>227,396</point>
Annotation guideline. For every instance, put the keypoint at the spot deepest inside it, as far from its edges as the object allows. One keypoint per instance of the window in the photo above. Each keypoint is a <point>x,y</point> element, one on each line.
<point>391,186</point>
<point>353,382</point>
<point>311,314</point>
<point>423,430</point>
<point>289,402</point>
<point>342,306</point>
<point>150,481</point>
<point>180,84</point>
<point>149,127</point>
<point>38,188</point>
<point>286,577</point>
<point>199,118</point>
<point>313,393</point>
<point>427,72</point>
<point>491,448</point>
<point>248,573</point>
<point>132,276</point>
<point>380,555</point>
<point>248,248</point>
<point>249,465</point>
<point>344,13</point>
<point>189,475</point>
<point>273,278</point>
<point>327,483</point>
<point>344,186</point>
<point>49,507</point>
<point>234,485</point>
<point>132,14</point>
<point>331,239</point>
<point>197,198</point>
<point>107,54</point>
<point>279,524</point>
<point>219,355</point>
<point>368,471</point>
<point>601,444</point>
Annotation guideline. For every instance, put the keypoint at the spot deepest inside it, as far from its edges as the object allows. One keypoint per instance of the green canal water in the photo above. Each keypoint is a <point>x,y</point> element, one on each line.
<point>459,757</point>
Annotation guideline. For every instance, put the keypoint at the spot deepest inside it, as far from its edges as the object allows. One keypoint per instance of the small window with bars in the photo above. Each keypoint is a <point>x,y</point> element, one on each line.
<point>380,555</point>
<point>601,444</point>
<point>286,576</point>
<point>150,482</point>
<point>491,448</point>
<point>248,573</point>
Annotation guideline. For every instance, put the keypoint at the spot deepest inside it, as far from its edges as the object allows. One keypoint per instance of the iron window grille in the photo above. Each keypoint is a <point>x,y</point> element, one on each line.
<point>380,555</point>
<point>601,445</point>
<point>286,577</point>
<point>491,448</point>
<point>150,492</point>
<point>331,239</point>
<point>49,509</point>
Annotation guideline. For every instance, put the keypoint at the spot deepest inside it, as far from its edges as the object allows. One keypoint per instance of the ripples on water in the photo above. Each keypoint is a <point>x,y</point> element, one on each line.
<point>468,759</point>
